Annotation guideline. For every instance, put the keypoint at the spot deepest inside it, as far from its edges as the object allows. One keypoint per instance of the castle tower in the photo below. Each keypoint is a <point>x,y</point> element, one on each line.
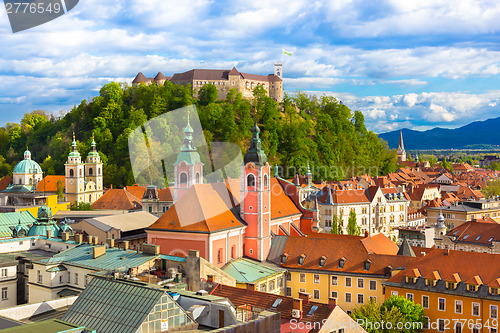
<point>188,169</point>
<point>401,153</point>
<point>93,174</point>
<point>74,175</point>
<point>278,70</point>
<point>439,227</point>
<point>255,203</point>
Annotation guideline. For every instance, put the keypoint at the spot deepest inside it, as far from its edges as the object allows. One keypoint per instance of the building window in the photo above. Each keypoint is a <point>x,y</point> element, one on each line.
<point>441,325</point>
<point>426,323</point>
<point>4,272</point>
<point>394,293</point>
<point>316,294</point>
<point>87,280</point>
<point>302,277</point>
<point>288,276</point>
<point>409,296</point>
<point>334,294</point>
<point>441,304</point>
<point>71,173</point>
<point>219,256</point>
<point>280,282</point>
<point>288,291</point>
<point>4,294</point>
<point>348,282</point>
<point>334,280</point>
<point>458,306</point>
<point>197,178</point>
<point>265,182</point>
<point>91,171</point>
<point>361,283</point>
<point>250,180</point>
<point>60,279</point>
<point>40,277</point>
<point>348,297</point>
<point>373,299</point>
<point>263,287</point>
<point>493,312</point>
<point>233,251</point>
<point>361,299</point>
<point>69,277</point>
<point>150,209</point>
<point>425,302</point>
<point>183,178</point>
<point>316,278</point>
<point>271,285</point>
<point>475,309</point>
<point>458,327</point>
<point>373,285</point>
<point>76,278</point>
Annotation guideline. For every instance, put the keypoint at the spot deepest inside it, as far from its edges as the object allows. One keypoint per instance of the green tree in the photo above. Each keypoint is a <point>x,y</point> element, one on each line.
<point>60,190</point>
<point>208,94</point>
<point>352,224</point>
<point>371,315</point>
<point>413,313</point>
<point>80,206</point>
<point>492,188</point>
<point>335,225</point>
<point>446,165</point>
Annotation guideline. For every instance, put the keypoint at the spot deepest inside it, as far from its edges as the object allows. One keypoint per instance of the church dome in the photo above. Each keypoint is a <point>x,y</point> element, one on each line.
<point>27,165</point>
<point>44,212</point>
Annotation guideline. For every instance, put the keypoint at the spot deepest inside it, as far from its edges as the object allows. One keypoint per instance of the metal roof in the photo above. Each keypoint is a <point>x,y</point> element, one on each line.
<point>113,259</point>
<point>8,220</point>
<point>47,326</point>
<point>245,270</point>
<point>113,306</point>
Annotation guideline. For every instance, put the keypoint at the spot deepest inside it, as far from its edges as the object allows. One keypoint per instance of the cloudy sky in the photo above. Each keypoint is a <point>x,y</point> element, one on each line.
<point>413,63</point>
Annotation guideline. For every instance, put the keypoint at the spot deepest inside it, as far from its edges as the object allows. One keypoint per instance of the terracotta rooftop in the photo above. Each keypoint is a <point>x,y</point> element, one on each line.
<point>49,183</point>
<point>440,263</point>
<point>484,233</point>
<point>119,199</point>
<point>5,182</point>
<point>240,297</point>
<point>136,191</point>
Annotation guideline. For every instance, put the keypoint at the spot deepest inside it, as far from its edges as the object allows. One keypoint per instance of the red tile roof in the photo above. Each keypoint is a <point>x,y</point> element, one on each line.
<point>119,199</point>
<point>481,233</point>
<point>5,182</point>
<point>136,191</point>
<point>281,204</point>
<point>49,183</point>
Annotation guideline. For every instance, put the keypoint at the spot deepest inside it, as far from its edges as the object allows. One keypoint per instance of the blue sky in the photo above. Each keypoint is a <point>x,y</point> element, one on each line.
<point>413,63</point>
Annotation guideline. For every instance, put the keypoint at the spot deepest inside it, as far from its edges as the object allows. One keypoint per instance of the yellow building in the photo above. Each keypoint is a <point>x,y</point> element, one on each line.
<point>348,268</point>
<point>458,290</point>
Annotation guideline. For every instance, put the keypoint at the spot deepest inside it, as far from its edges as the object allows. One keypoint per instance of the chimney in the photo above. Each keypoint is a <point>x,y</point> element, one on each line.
<point>194,253</point>
<point>332,302</point>
<point>90,239</point>
<point>210,278</point>
<point>98,251</point>
<point>297,304</point>
<point>366,233</point>
<point>151,249</point>
<point>125,245</point>
<point>65,236</point>
<point>305,297</point>
<point>111,186</point>
<point>110,242</point>
<point>49,233</point>
<point>96,240</point>
<point>78,238</point>
<point>250,287</point>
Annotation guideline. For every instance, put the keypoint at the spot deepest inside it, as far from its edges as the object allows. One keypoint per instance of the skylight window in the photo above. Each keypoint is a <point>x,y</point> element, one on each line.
<point>477,238</point>
<point>313,309</point>
<point>466,236</point>
<point>489,240</point>
<point>276,302</point>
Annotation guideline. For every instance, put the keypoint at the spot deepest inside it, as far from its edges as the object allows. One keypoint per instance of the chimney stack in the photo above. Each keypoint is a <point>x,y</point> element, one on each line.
<point>49,233</point>
<point>210,278</point>
<point>332,302</point>
<point>297,304</point>
<point>78,238</point>
<point>151,249</point>
<point>305,297</point>
<point>250,287</point>
<point>90,239</point>
<point>110,242</point>
<point>125,245</point>
<point>65,236</point>
<point>98,251</point>
<point>96,240</point>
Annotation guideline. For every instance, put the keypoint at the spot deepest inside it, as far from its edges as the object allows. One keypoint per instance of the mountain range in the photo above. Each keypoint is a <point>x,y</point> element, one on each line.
<point>474,135</point>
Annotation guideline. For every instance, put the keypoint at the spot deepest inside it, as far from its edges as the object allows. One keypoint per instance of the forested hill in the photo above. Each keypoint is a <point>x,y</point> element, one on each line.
<point>320,131</point>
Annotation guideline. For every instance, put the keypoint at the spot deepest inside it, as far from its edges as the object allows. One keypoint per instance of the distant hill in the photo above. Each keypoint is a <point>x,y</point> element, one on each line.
<point>473,135</point>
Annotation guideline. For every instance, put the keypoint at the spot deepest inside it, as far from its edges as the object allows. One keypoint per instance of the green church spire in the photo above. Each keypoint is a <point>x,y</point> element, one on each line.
<point>255,153</point>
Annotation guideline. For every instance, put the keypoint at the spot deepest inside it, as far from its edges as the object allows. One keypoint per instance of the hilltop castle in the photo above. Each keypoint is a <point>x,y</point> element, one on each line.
<point>224,80</point>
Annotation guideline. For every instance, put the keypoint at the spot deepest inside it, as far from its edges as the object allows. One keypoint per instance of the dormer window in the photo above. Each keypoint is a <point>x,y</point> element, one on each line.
<point>322,261</point>
<point>367,265</point>
<point>472,288</point>
<point>430,283</point>
<point>342,262</point>
<point>284,257</point>
<point>301,259</point>
<point>494,291</point>
<point>410,280</point>
<point>451,285</point>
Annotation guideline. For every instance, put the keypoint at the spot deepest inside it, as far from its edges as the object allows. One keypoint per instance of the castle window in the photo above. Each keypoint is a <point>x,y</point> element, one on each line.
<point>98,171</point>
<point>265,182</point>
<point>250,180</point>
<point>183,178</point>
<point>91,171</point>
<point>71,173</point>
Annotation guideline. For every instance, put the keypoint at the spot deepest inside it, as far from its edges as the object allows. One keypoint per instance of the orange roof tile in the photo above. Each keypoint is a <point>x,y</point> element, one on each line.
<point>165,194</point>
<point>475,280</point>
<point>454,278</point>
<point>49,183</point>
<point>200,209</point>
<point>380,244</point>
<point>136,191</point>
<point>434,275</point>
<point>281,204</point>
<point>5,182</point>
<point>119,199</point>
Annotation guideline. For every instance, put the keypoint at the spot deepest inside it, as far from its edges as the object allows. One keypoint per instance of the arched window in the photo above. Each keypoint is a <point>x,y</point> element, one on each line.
<point>71,173</point>
<point>91,171</point>
<point>20,180</point>
<point>265,182</point>
<point>250,180</point>
<point>31,181</point>
<point>98,171</point>
<point>197,178</point>
<point>80,172</point>
<point>183,178</point>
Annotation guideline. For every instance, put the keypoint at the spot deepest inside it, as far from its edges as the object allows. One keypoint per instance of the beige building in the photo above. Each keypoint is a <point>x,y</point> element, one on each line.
<point>224,80</point>
<point>157,201</point>
<point>472,236</point>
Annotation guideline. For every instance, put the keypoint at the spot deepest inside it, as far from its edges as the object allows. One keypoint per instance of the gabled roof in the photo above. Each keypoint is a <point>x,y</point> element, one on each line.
<point>200,209</point>
<point>113,306</point>
<point>136,190</point>
<point>165,194</point>
<point>241,297</point>
<point>123,222</point>
<point>481,233</point>
<point>281,204</point>
<point>49,183</point>
<point>5,182</point>
<point>119,199</point>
